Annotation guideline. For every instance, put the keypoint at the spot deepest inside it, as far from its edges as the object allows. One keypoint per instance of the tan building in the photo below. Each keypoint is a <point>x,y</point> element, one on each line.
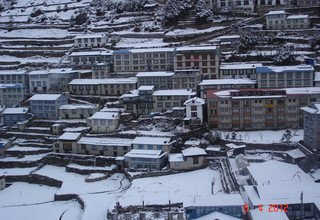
<point>190,158</point>
<point>77,111</point>
<point>105,87</point>
<point>205,58</point>
<point>67,143</point>
<point>103,122</point>
<point>254,109</point>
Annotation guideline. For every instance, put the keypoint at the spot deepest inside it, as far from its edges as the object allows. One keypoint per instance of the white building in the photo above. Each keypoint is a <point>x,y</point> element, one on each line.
<point>77,111</point>
<point>11,94</point>
<point>245,6</point>
<point>67,142</point>
<point>90,41</point>
<point>280,20</point>
<point>88,58</point>
<point>194,108</point>
<point>14,77</point>
<point>152,143</point>
<point>238,70</point>
<point>190,158</point>
<point>103,122</point>
<point>146,159</point>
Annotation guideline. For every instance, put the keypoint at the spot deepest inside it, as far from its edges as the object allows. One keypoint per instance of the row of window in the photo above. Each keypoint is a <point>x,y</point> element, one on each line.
<point>306,75</point>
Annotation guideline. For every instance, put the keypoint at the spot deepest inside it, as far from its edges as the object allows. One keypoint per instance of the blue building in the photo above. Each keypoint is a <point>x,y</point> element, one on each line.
<point>311,125</point>
<point>13,115</point>
<point>46,106</point>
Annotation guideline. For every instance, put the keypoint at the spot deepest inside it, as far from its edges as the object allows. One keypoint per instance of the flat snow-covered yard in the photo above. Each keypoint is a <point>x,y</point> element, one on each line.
<point>262,137</point>
<point>177,188</point>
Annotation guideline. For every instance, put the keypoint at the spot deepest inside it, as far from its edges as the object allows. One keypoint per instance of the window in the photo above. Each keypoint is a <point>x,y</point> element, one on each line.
<point>195,160</point>
<point>150,147</point>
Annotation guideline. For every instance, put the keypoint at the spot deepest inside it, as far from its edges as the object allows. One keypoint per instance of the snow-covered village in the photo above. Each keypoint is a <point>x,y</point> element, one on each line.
<point>159,109</point>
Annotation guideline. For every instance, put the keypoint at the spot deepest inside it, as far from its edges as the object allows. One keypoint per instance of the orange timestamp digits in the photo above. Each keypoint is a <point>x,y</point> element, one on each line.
<point>278,208</point>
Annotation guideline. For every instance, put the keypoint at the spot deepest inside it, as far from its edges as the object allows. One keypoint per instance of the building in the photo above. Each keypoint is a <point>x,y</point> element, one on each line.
<point>14,77</point>
<point>90,41</point>
<point>166,100</point>
<point>245,6</point>
<point>205,58</point>
<point>106,146</point>
<point>257,214</point>
<point>2,182</point>
<point>46,106</point>
<point>190,158</point>
<point>186,79</point>
<point>102,87</point>
<point>51,80</point>
<point>140,101</point>
<point>294,156</point>
<point>239,70</point>
<point>280,20</point>
<point>160,80</point>
<point>285,76</point>
<point>317,79</point>
<point>146,159</point>
<point>307,3</point>
<point>220,84</point>
<point>12,94</point>
<point>88,58</point>
<point>311,125</point>
<point>254,109</point>
<point>77,111</point>
<point>152,143</point>
<point>4,145</point>
<point>101,70</point>
<point>13,115</point>
<point>194,108</point>
<point>139,60</point>
<point>103,122</point>
<point>229,204</point>
<point>67,142</point>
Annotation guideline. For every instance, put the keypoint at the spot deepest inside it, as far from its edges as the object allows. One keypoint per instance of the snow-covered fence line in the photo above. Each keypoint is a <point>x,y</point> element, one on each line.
<point>68,197</point>
<point>30,53</point>
<point>89,171</point>
<point>35,179</point>
<point>16,153</point>
<point>37,42</point>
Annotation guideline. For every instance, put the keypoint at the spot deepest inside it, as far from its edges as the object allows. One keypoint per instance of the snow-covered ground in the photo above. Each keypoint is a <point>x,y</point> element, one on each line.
<point>140,43</point>
<point>153,132</point>
<point>263,136</point>
<point>177,188</point>
<point>16,171</point>
<point>192,31</point>
<point>25,158</point>
<point>35,33</point>
<point>19,148</point>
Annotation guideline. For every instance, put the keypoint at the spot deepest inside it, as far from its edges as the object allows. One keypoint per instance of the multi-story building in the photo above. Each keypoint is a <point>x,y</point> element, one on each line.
<point>225,84</point>
<point>161,80</point>
<point>284,76</point>
<point>46,106</point>
<point>137,60</point>
<point>317,79</point>
<point>253,109</point>
<point>101,70</point>
<point>245,6</point>
<point>103,122</point>
<point>165,100</point>
<point>106,87</point>
<point>186,79</point>
<point>51,80</point>
<point>13,115</point>
<point>194,108</point>
<point>11,94</point>
<point>90,41</point>
<point>88,58</point>
<point>146,159</point>
<point>14,77</point>
<point>77,111</point>
<point>140,101</point>
<point>308,3</point>
<point>67,142</point>
<point>206,58</point>
<point>239,70</point>
<point>311,125</point>
<point>105,146</point>
<point>281,20</point>
<point>152,143</point>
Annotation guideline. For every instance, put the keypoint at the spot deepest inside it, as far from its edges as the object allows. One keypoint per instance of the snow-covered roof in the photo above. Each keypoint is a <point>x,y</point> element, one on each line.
<point>295,153</point>
<point>78,106</point>
<point>195,101</point>
<point>313,108</point>
<point>154,74</point>
<point>105,141</point>
<point>45,97</point>
<point>39,72</point>
<point>216,215</point>
<point>145,88</point>
<point>12,72</point>
<point>148,50</point>
<point>297,16</point>
<point>174,92</point>
<point>196,48</point>
<point>256,214</point>
<point>16,86</point>
<point>69,136</point>
<point>130,94</point>
<point>237,66</point>
<point>107,109</point>
<point>234,146</point>
<point>282,193</point>
<point>215,200</point>
<point>62,71</point>
<point>176,158</point>
<point>105,115</point>
<point>276,12</point>
<point>145,153</point>
<point>280,69</point>
<point>92,53</point>
<point>213,149</point>
<point>208,82</point>
<point>10,111</point>
<point>304,91</point>
<point>152,140</point>
<point>192,142</point>
<point>89,36</point>
<point>193,151</point>
<point>130,80</point>
<point>272,171</point>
